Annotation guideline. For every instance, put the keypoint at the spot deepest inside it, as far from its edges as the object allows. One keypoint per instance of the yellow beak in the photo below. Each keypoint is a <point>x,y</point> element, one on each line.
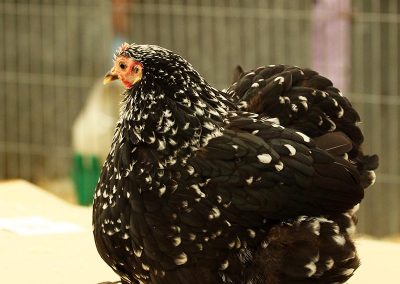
<point>110,76</point>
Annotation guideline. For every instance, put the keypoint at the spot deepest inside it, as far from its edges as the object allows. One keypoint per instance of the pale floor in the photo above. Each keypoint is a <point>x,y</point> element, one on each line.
<point>71,257</point>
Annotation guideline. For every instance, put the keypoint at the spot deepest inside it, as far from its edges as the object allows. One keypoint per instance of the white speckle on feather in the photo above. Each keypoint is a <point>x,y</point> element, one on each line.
<point>214,213</point>
<point>145,267</point>
<point>138,252</point>
<point>226,205</point>
<point>274,120</point>
<point>238,243</point>
<point>125,236</point>
<point>279,166</point>
<point>255,132</point>
<point>176,229</point>
<point>329,263</point>
<point>354,210</point>
<point>181,259</point>
<point>315,227</point>
<point>339,239</point>
<point>167,113</point>
<point>209,125</point>
<point>148,179</point>
<point>235,146</point>
<point>171,141</point>
<point>333,125</point>
<point>224,265</point>
<point>252,233</point>
<point>292,150</point>
<point>346,272</point>
<point>305,137</point>
<point>161,190</point>
<point>255,85</point>
<point>335,227</point>
<point>198,191</point>
<point>242,105</point>
<point>190,170</point>
<point>156,272</point>
<point>184,204</point>
<point>249,180</point>
<point>264,158</point>
<point>199,111</point>
<point>320,121</point>
<point>161,145</point>
<point>176,241</point>
<point>340,113</point>
<point>312,268</point>
<point>192,236</point>
<point>280,80</point>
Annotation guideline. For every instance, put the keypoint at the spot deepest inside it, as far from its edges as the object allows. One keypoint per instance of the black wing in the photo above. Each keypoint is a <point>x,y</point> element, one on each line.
<point>303,100</point>
<point>262,167</point>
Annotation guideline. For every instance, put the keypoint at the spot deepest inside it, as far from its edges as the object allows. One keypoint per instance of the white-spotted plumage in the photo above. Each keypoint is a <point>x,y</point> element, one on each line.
<point>264,158</point>
<point>214,213</point>
<point>279,166</point>
<point>305,137</point>
<point>280,80</point>
<point>181,259</point>
<point>249,180</point>
<point>157,177</point>
<point>292,150</point>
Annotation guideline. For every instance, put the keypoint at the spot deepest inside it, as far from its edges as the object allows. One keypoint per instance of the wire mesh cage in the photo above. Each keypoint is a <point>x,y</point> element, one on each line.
<point>54,51</point>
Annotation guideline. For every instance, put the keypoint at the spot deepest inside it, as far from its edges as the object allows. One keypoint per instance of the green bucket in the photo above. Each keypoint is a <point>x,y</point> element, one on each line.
<point>85,174</point>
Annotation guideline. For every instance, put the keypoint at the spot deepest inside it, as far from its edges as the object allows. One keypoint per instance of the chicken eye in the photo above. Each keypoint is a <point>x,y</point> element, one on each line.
<point>136,69</point>
<point>122,65</point>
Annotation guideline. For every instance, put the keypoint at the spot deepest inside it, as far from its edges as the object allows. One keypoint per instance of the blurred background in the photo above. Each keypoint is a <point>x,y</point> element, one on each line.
<point>56,118</point>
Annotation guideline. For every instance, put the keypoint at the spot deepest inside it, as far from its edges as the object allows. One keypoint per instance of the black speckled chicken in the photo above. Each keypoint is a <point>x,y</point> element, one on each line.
<point>197,190</point>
